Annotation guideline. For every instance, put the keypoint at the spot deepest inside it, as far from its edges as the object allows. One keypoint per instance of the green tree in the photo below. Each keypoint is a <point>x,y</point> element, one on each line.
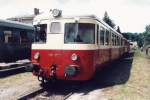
<point>131,36</point>
<point>128,35</point>
<point>108,20</point>
<point>140,40</point>
<point>138,37</point>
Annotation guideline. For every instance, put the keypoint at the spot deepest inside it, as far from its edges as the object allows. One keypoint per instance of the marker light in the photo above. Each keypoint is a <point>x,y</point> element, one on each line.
<point>56,12</point>
<point>74,57</point>
<point>37,56</point>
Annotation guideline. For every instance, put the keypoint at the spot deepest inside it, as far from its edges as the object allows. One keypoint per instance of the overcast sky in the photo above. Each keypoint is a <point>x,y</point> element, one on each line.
<point>130,15</point>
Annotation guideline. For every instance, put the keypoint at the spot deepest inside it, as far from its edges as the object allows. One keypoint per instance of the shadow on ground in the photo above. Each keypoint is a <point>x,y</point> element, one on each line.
<point>116,73</point>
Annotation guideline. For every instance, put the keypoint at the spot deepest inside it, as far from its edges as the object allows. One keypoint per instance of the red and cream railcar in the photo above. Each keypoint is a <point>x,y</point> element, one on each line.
<point>73,48</point>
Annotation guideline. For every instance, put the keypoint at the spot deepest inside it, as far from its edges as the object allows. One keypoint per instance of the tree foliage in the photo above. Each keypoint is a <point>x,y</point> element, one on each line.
<point>108,20</point>
<point>140,40</point>
<point>131,36</point>
<point>138,37</point>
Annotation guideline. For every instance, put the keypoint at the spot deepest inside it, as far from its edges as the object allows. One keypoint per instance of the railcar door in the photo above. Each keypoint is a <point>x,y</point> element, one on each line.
<point>54,44</point>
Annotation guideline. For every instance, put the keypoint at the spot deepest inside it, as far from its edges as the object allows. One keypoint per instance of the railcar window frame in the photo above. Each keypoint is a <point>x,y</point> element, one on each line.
<point>98,39</point>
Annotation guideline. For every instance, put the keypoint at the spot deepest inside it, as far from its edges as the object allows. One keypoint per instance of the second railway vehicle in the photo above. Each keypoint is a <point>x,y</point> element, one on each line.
<point>15,41</point>
<point>73,47</point>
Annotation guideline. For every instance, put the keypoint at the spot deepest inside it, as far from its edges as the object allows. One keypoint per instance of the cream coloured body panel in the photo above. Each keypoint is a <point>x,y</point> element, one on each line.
<point>56,41</point>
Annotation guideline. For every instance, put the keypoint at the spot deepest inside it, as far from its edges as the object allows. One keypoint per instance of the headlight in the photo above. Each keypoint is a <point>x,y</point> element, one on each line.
<point>37,56</point>
<point>74,57</point>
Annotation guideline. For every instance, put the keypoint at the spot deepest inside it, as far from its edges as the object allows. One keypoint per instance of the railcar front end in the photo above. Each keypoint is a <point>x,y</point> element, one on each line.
<point>63,64</point>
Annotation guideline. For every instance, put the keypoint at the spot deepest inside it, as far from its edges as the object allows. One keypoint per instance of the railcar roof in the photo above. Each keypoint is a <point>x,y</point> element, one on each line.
<point>14,24</point>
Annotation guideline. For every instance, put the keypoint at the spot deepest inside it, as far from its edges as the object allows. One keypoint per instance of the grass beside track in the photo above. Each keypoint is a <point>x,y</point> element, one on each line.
<point>138,85</point>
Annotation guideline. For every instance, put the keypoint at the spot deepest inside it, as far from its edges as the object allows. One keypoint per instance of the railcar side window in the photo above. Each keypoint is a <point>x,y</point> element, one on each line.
<point>81,33</point>
<point>121,42</point>
<point>107,38</point>
<point>15,36</point>
<point>70,32</point>
<point>23,37</point>
<point>1,38</point>
<point>118,40</point>
<point>40,33</point>
<point>102,33</point>
<point>8,36</point>
<point>55,27</point>
<point>113,39</point>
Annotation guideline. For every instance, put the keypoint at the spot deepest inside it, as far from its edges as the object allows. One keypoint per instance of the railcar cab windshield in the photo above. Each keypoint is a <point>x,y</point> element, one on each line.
<point>40,33</point>
<point>79,33</point>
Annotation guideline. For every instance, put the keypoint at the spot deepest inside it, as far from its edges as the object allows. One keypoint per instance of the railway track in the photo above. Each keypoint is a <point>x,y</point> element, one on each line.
<point>49,93</point>
<point>39,94</point>
<point>30,94</point>
<point>67,96</point>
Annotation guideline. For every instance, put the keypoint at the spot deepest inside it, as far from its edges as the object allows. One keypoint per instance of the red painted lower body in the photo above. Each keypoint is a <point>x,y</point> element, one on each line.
<point>88,62</point>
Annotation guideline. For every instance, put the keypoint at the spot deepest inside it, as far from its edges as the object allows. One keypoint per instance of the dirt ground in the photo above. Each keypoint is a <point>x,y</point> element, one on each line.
<point>16,85</point>
<point>126,79</point>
